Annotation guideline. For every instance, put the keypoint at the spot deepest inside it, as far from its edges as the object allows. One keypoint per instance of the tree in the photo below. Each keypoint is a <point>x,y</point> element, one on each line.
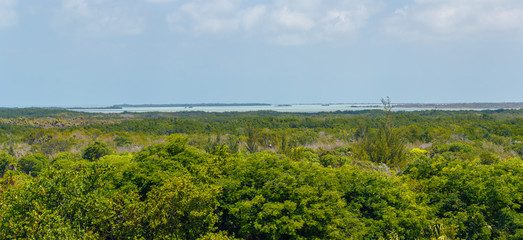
<point>55,145</point>
<point>478,201</point>
<point>96,150</point>
<point>33,164</point>
<point>68,160</point>
<point>271,197</point>
<point>387,105</point>
<point>70,204</point>
<point>5,161</point>
<point>252,139</point>
<point>122,140</point>
<point>385,145</point>
<point>181,209</point>
<point>39,136</point>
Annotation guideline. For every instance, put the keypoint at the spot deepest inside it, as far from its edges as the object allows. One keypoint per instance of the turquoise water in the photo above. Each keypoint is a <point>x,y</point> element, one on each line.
<point>296,108</point>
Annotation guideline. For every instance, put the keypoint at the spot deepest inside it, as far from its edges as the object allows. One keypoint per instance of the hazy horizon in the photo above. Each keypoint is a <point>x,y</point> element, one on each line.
<point>231,103</point>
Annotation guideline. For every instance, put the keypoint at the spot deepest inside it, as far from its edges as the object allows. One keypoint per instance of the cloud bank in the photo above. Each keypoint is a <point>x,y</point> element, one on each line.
<point>286,22</point>
<point>296,22</point>
<point>291,22</point>
<point>449,20</point>
<point>99,18</point>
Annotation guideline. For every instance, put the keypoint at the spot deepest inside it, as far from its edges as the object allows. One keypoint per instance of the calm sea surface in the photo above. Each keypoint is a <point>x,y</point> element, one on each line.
<point>307,108</point>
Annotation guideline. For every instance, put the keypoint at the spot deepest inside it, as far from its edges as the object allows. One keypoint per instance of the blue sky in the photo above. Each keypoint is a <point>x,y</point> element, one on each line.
<point>104,52</point>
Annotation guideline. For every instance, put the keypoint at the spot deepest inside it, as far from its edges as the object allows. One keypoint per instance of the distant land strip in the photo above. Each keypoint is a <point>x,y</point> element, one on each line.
<point>479,105</point>
<point>505,105</point>
<point>476,105</point>
<point>121,106</point>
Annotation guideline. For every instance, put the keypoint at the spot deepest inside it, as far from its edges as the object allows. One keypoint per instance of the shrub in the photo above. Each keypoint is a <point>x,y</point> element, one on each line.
<point>33,164</point>
<point>96,150</point>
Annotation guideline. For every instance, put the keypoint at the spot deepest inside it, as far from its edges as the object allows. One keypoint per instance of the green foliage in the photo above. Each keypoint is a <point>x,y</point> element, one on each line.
<point>33,164</point>
<point>252,139</point>
<point>457,147</point>
<point>385,205</point>
<point>5,161</point>
<point>303,154</point>
<point>216,236</point>
<point>54,146</point>
<point>96,150</point>
<point>212,143</point>
<point>123,140</point>
<point>263,175</point>
<point>181,209</point>
<point>175,144</point>
<point>518,148</point>
<point>233,144</point>
<point>334,160</point>
<point>68,160</point>
<point>69,204</point>
<point>159,162</point>
<point>268,197</point>
<point>39,136</point>
<point>383,146</point>
<point>480,201</point>
<point>460,150</point>
<point>36,112</point>
<point>488,158</point>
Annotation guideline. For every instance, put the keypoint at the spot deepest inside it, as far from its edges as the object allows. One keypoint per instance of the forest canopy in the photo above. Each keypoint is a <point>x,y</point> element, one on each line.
<point>261,175</point>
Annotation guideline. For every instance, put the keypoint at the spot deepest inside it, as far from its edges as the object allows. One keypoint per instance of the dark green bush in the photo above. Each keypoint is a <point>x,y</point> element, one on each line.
<point>96,150</point>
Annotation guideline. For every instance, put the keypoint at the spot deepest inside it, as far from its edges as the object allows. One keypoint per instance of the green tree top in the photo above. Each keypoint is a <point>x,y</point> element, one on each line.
<point>96,150</point>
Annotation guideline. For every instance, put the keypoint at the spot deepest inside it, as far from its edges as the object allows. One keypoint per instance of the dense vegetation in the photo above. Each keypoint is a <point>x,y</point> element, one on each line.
<point>261,175</point>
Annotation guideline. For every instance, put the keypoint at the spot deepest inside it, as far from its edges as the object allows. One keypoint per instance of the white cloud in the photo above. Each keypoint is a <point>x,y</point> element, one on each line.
<point>212,16</point>
<point>288,22</point>
<point>205,17</point>
<point>456,19</point>
<point>93,18</point>
<point>292,20</point>
<point>322,21</point>
<point>8,16</point>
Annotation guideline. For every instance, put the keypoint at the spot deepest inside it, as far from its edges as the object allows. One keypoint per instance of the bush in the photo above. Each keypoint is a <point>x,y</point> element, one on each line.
<point>123,140</point>
<point>55,145</point>
<point>33,164</point>
<point>518,148</point>
<point>5,161</point>
<point>96,150</point>
<point>488,158</point>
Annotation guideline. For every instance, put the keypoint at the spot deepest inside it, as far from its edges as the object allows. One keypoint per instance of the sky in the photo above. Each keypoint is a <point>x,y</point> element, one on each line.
<point>105,52</point>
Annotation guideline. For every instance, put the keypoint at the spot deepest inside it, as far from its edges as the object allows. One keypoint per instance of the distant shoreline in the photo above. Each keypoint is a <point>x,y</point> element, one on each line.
<point>482,105</point>
<point>305,108</point>
<point>187,105</point>
<point>355,106</point>
<point>505,105</point>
